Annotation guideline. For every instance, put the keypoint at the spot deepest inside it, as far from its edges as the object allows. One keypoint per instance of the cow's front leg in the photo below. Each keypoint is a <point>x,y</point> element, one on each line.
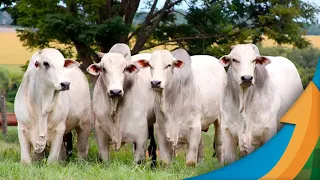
<point>217,140</point>
<point>63,153</point>
<point>103,141</point>
<point>56,143</point>
<point>165,148</point>
<point>270,131</point>
<point>139,152</point>
<point>83,134</point>
<point>194,141</point>
<point>200,151</point>
<point>140,145</point>
<point>24,146</point>
<point>228,148</point>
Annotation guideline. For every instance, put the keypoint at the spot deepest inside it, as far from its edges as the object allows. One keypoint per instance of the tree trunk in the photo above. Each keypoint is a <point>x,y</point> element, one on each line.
<point>4,115</point>
<point>85,53</point>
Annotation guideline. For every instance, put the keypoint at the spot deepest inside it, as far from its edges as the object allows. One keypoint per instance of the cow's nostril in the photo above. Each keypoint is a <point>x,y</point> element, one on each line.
<point>246,78</point>
<point>65,85</point>
<point>155,83</point>
<point>115,92</point>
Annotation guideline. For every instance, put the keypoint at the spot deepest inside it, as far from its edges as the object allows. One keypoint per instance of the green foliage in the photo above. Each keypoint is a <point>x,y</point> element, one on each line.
<point>216,25</point>
<point>11,79</point>
<point>15,83</point>
<point>5,82</point>
<point>305,59</point>
<point>10,107</point>
<point>314,30</point>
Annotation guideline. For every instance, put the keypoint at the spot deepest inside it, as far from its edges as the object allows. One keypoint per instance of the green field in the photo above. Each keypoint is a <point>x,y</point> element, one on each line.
<point>12,68</point>
<point>121,165</point>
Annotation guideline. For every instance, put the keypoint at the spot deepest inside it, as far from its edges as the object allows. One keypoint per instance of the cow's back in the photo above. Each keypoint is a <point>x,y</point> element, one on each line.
<point>79,98</point>
<point>286,78</point>
<point>210,77</point>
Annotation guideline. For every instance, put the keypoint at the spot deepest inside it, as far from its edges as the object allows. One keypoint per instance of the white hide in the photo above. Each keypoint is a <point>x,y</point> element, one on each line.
<point>188,102</point>
<point>210,77</point>
<point>44,113</point>
<point>250,115</point>
<point>127,122</point>
<point>286,78</point>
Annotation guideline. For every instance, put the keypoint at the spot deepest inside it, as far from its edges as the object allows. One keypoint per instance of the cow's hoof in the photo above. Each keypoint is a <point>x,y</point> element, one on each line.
<point>141,161</point>
<point>26,162</point>
<point>191,163</point>
<point>164,164</point>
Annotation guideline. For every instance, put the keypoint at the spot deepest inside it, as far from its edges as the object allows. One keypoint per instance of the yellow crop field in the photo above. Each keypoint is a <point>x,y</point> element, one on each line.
<point>12,51</point>
<point>314,40</point>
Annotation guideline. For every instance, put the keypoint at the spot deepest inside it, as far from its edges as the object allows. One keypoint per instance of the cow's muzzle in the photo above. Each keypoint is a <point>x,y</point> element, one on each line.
<point>115,93</point>
<point>246,81</point>
<point>65,86</point>
<point>156,84</point>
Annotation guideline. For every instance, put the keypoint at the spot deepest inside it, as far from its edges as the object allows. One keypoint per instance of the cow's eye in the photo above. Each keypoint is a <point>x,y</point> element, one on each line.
<point>103,69</point>
<point>235,61</point>
<point>169,65</point>
<point>46,65</point>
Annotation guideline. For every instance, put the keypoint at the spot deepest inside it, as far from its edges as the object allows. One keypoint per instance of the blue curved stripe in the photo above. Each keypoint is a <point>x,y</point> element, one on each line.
<point>316,77</point>
<point>258,163</point>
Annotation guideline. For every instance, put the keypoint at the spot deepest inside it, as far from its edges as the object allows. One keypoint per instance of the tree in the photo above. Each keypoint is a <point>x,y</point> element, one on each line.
<point>217,24</point>
<point>5,82</point>
<point>211,27</point>
<point>86,25</point>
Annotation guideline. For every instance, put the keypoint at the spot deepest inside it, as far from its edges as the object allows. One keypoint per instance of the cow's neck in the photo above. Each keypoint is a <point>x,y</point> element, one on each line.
<point>244,97</point>
<point>177,98</point>
<point>45,97</point>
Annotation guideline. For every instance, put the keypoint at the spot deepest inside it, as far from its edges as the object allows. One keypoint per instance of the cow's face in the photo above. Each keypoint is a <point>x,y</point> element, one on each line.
<point>113,68</point>
<point>50,63</point>
<point>243,60</point>
<point>162,65</point>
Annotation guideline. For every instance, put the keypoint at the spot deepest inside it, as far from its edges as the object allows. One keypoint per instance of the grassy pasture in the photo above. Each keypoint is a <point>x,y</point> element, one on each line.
<point>121,165</point>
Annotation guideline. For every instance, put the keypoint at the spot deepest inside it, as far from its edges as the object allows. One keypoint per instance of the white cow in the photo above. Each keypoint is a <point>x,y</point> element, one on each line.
<point>256,96</point>
<point>188,96</point>
<point>53,99</point>
<point>123,105</point>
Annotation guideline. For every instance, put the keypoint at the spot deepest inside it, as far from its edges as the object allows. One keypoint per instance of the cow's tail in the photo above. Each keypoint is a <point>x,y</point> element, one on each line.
<point>152,149</point>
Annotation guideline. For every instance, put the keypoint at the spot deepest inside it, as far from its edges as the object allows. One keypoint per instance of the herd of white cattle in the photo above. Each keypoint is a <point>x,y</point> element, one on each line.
<point>173,94</point>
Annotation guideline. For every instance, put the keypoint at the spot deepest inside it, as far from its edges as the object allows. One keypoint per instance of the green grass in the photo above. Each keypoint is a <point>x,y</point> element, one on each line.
<point>120,166</point>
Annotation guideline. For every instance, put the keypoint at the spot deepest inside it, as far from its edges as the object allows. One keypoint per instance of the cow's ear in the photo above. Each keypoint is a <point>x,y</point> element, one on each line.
<point>143,63</point>
<point>100,54</point>
<point>263,60</point>
<point>69,63</point>
<point>178,63</point>
<point>131,69</point>
<point>225,60</point>
<point>36,64</point>
<point>94,69</point>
